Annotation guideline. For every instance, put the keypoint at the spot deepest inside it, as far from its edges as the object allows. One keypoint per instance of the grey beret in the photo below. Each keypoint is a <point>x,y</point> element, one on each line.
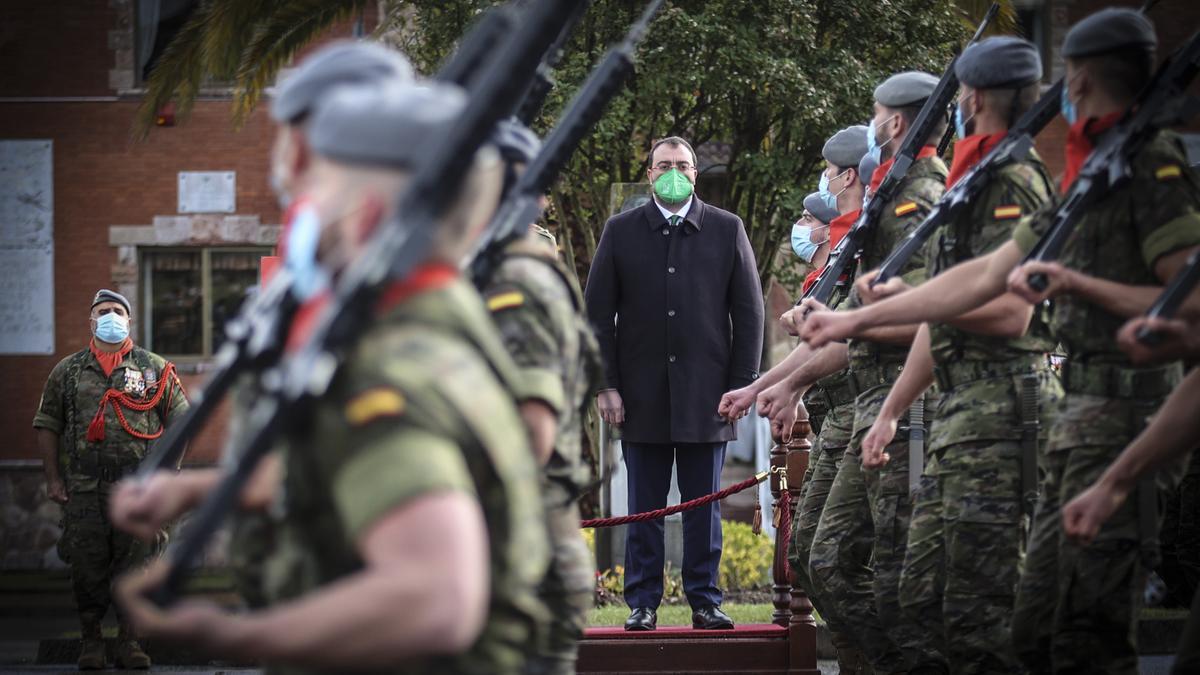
<point>905,89</point>
<point>515,141</point>
<point>845,148</point>
<point>385,126</point>
<point>866,168</point>
<point>340,63</point>
<point>816,206</point>
<point>105,295</point>
<point>1108,30</point>
<point>998,63</point>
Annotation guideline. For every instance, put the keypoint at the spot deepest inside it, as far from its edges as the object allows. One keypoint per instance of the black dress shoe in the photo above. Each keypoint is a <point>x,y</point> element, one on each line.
<point>710,617</point>
<point>642,618</point>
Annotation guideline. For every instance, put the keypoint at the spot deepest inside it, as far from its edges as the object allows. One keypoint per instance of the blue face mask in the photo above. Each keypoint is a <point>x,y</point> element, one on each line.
<point>112,328</point>
<point>308,277</point>
<point>874,147</point>
<point>960,125</point>
<point>827,197</point>
<point>802,242</point>
<point>1069,113</point>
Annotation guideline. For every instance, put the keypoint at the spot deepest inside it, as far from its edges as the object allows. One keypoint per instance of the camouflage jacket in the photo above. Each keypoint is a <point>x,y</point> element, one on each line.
<point>419,407</point>
<point>1120,238</point>
<point>921,188</point>
<point>1017,190</point>
<point>540,316</point>
<point>70,400</point>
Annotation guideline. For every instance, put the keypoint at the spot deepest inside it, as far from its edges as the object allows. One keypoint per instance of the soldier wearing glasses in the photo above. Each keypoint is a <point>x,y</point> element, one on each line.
<point>674,296</point>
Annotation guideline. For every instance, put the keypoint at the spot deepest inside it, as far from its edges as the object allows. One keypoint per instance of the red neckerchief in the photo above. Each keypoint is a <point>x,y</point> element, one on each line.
<point>289,216</point>
<point>110,360</point>
<point>1079,144</point>
<point>968,152</point>
<point>838,227</point>
<point>881,172</point>
<point>425,277</point>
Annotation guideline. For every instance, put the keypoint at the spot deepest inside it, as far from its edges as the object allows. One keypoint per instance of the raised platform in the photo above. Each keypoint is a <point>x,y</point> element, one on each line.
<point>753,648</point>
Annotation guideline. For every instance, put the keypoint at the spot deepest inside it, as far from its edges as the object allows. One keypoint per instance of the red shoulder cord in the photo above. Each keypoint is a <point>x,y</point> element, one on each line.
<point>119,399</point>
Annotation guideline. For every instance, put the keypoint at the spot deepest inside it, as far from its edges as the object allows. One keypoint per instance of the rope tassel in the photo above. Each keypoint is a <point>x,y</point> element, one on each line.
<point>119,399</point>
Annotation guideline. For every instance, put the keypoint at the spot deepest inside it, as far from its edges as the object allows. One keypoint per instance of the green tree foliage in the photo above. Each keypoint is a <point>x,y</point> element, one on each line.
<point>770,78</point>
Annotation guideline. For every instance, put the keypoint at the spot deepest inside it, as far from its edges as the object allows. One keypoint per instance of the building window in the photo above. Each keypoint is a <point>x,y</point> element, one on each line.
<point>189,294</point>
<point>158,21</point>
<point>1031,25</point>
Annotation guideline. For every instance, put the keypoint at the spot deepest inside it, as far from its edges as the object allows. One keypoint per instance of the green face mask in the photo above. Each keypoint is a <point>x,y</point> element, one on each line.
<point>673,187</point>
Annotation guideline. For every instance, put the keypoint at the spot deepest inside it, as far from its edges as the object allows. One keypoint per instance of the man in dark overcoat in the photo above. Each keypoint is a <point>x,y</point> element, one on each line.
<point>674,296</point>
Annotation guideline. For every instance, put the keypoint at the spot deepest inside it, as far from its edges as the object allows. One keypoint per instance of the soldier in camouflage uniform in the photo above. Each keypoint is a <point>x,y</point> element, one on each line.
<point>1075,606</point>
<point>538,311</point>
<point>830,396</point>
<point>858,547</point>
<point>411,534</point>
<point>965,541</point>
<point>100,408</point>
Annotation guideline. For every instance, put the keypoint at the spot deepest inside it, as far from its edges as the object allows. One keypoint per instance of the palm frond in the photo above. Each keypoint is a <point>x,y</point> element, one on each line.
<point>230,27</point>
<point>277,39</point>
<point>177,75</point>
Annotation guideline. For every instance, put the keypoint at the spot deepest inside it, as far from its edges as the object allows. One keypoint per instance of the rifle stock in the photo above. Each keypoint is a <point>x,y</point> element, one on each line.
<point>292,386</point>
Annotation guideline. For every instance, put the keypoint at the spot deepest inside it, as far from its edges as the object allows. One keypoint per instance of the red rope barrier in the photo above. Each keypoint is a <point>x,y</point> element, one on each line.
<point>678,508</point>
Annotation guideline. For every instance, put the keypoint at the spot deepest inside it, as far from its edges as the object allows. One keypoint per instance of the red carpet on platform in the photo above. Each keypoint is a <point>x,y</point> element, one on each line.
<point>762,649</point>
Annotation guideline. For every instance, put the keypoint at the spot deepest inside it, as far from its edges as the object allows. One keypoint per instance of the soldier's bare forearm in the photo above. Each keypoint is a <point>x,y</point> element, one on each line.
<point>787,366</point>
<point>948,295</point>
<point>1006,316</point>
<point>826,361</point>
<point>892,335</point>
<point>1171,435</point>
<point>47,443</point>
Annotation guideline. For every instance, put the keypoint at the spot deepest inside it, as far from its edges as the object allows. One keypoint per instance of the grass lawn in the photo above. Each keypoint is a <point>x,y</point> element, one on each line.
<point>681,615</point>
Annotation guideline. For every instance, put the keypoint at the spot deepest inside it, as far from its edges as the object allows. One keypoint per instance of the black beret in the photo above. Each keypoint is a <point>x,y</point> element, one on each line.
<point>337,64</point>
<point>846,147</point>
<point>905,89</point>
<point>515,141</point>
<point>816,206</point>
<point>998,63</point>
<point>386,126</point>
<point>1108,30</point>
<point>105,295</point>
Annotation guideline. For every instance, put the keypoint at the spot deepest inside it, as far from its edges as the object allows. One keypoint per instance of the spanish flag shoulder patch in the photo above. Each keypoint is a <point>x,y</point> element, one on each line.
<point>505,300</point>
<point>1006,212</point>
<point>373,404</point>
<point>906,208</point>
<point>1168,172</point>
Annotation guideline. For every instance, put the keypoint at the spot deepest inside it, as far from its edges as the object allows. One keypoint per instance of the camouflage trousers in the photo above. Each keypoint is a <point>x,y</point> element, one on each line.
<point>568,589</point>
<point>858,547</point>
<point>251,541</point>
<point>1076,606</point>
<point>97,553</point>
<point>1180,538</point>
<point>963,559</point>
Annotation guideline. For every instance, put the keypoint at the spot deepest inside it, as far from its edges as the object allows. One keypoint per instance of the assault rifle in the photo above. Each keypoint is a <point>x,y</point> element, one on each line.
<point>932,114</point>
<point>1163,102</point>
<point>523,206</point>
<point>1014,147</point>
<point>1173,296</point>
<point>291,386</point>
<point>543,81</point>
<point>255,337</point>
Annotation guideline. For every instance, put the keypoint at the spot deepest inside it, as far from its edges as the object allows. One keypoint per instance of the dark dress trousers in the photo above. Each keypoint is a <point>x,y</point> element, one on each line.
<point>678,313</point>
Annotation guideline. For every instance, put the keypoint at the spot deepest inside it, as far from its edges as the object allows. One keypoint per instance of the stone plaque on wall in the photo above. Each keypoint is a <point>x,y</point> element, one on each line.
<point>207,191</point>
<point>26,247</point>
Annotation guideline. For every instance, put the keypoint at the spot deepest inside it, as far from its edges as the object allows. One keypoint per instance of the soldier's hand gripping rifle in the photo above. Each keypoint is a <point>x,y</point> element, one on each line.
<point>1172,297</point>
<point>932,114</point>
<point>299,378</point>
<point>1163,102</point>
<point>254,338</point>
<point>523,204</point>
